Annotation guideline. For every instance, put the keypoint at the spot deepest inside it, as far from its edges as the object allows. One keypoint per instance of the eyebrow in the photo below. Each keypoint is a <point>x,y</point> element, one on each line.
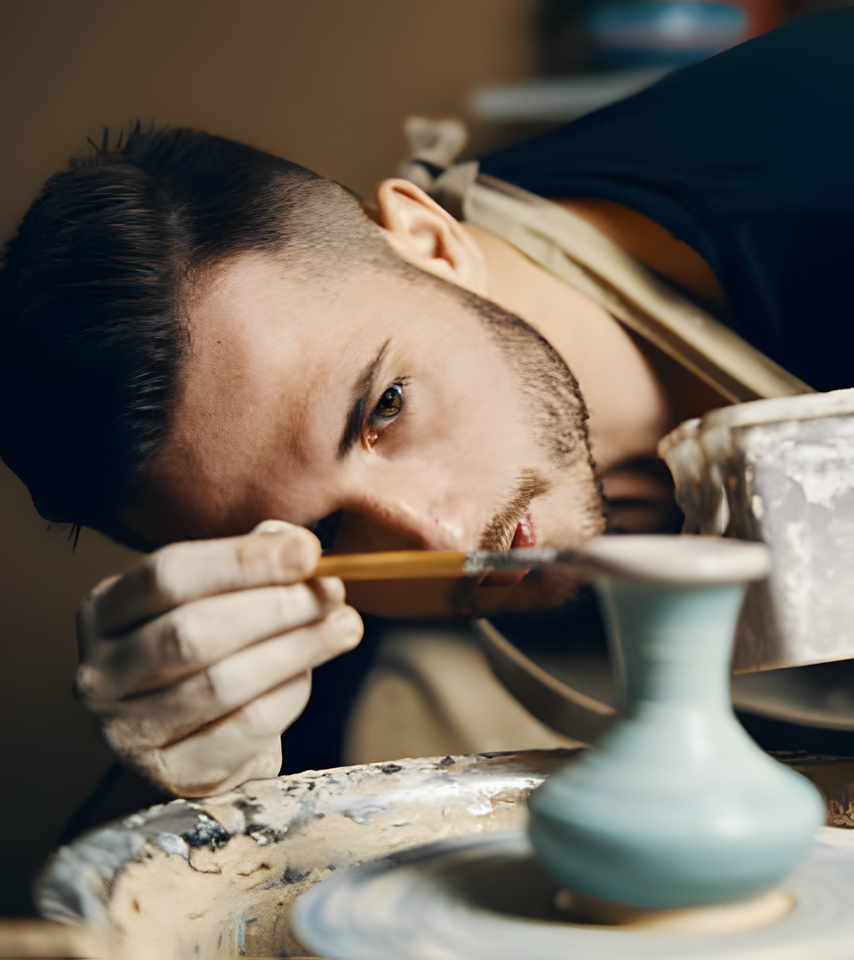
<point>365,387</point>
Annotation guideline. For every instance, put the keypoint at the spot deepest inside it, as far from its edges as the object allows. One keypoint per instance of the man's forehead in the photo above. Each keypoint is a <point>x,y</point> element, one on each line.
<point>271,368</point>
<point>250,387</point>
<point>247,299</point>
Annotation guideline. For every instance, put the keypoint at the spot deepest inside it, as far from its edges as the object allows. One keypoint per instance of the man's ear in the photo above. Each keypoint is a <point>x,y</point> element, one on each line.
<point>427,236</point>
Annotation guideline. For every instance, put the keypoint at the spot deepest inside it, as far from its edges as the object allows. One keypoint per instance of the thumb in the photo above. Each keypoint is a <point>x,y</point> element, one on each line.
<point>272,526</point>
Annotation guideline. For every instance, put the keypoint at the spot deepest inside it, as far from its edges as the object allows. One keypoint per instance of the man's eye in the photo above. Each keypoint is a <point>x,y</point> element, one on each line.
<point>390,403</point>
<point>326,529</point>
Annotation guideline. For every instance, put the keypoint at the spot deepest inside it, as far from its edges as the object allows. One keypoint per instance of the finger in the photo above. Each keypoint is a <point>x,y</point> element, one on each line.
<point>183,572</point>
<point>243,746</point>
<point>271,526</point>
<point>198,634</point>
<point>86,613</point>
<point>168,715</point>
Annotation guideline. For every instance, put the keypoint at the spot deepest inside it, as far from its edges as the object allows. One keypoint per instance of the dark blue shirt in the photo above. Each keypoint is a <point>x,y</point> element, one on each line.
<point>747,157</point>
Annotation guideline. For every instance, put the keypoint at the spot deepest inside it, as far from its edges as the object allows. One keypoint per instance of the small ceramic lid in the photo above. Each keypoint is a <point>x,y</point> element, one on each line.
<point>677,558</point>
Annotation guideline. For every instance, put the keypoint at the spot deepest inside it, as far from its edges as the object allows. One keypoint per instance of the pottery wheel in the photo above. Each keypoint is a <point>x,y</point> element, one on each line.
<point>486,897</point>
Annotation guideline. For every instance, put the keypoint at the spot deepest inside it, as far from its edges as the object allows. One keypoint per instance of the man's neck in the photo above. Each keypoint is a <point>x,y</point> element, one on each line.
<point>634,395</point>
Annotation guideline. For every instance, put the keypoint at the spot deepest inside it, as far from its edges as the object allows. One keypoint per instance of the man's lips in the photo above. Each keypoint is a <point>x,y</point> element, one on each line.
<point>523,537</point>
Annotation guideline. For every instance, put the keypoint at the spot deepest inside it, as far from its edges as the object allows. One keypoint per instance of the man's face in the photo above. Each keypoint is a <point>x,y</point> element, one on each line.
<point>389,402</point>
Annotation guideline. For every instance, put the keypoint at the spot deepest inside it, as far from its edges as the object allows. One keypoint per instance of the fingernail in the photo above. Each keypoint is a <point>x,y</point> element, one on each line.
<point>272,526</point>
<point>330,590</point>
<point>300,551</point>
<point>347,619</point>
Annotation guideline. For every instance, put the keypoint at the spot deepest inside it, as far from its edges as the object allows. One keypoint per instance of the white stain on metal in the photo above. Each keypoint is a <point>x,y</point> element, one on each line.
<point>787,467</point>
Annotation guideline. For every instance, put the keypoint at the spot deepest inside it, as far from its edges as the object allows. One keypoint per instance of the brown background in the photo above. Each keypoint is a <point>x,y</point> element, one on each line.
<point>324,82</point>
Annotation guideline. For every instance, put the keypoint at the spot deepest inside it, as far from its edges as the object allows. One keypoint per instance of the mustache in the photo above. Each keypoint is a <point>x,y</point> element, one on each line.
<point>499,531</point>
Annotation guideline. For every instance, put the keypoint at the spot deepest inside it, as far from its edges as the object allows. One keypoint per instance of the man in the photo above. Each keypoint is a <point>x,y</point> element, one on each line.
<point>207,340</point>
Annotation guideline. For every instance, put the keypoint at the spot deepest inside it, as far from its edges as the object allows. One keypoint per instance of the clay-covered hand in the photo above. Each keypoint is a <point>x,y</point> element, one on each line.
<point>199,657</point>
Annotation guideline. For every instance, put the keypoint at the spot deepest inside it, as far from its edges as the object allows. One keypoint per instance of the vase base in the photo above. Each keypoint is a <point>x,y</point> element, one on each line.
<point>717,918</point>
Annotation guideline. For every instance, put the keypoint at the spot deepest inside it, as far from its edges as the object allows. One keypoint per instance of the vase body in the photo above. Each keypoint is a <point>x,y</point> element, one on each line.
<point>676,805</point>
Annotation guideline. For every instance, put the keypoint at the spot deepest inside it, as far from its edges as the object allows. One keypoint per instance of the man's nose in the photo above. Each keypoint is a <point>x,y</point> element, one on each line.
<point>389,520</point>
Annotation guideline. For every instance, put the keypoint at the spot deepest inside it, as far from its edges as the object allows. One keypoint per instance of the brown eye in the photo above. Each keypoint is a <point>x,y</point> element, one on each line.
<point>389,403</point>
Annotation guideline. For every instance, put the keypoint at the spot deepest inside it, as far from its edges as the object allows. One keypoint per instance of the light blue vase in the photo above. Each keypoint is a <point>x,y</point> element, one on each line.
<point>676,805</point>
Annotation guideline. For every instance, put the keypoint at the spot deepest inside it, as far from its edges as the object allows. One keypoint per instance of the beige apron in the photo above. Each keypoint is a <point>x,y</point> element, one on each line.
<point>575,251</point>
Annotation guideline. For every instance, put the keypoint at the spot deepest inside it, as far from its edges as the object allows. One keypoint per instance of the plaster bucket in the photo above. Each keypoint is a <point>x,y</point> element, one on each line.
<point>782,472</point>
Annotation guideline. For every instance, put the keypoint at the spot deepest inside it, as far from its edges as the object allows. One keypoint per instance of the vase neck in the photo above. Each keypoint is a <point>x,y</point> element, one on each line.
<point>671,644</point>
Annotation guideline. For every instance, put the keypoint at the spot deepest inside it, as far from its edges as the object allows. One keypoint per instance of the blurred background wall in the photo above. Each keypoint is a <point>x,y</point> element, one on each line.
<point>326,83</point>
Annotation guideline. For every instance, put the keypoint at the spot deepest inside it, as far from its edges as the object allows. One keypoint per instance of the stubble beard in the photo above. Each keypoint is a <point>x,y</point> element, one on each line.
<point>558,417</point>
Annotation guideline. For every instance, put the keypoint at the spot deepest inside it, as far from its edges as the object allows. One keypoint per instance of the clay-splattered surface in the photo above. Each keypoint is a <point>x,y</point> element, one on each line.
<point>216,878</point>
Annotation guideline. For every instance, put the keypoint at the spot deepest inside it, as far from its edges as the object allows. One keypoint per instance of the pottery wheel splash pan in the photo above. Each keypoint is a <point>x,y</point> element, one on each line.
<point>484,898</point>
<point>218,877</point>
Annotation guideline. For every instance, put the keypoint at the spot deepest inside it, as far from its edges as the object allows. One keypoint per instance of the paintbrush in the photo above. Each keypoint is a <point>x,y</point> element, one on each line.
<point>417,564</point>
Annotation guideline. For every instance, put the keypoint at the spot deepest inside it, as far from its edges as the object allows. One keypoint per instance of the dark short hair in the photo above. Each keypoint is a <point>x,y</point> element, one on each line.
<point>93,296</point>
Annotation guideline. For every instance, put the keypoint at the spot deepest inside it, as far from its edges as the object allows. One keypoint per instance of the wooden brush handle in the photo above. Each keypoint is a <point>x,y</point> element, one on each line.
<point>396,565</point>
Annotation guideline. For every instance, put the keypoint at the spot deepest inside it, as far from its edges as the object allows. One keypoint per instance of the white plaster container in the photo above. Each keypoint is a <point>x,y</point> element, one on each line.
<point>779,471</point>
